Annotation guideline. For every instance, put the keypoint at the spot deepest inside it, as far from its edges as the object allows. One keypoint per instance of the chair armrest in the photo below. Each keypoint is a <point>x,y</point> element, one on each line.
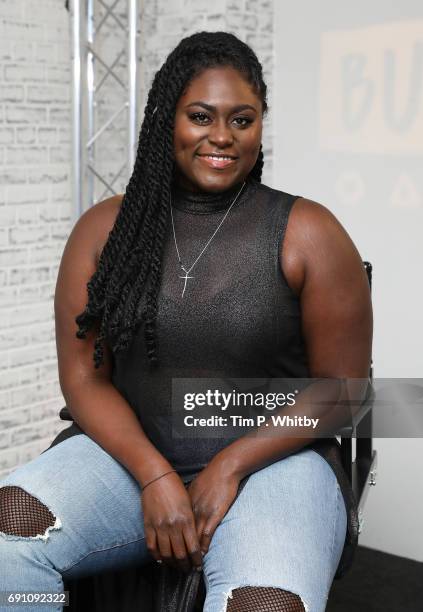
<point>347,431</point>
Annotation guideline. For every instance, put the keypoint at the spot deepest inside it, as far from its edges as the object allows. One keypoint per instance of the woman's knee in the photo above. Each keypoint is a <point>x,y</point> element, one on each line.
<point>253,598</point>
<point>23,516</point>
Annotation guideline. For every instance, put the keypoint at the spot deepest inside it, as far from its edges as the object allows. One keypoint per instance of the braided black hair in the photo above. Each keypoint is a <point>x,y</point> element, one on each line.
<point>130,264</point>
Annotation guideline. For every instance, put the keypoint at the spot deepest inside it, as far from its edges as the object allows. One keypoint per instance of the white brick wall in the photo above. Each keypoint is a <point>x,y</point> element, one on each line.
<point>35,167</point>
<point>34,219</point>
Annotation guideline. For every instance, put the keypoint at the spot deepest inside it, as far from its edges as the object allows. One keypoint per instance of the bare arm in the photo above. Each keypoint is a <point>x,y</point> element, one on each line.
<point>91,398</point>
<point>103,413</point>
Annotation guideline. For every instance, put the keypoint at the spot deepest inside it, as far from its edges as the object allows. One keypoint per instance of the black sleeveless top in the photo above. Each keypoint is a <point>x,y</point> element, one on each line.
<point>238,318</point>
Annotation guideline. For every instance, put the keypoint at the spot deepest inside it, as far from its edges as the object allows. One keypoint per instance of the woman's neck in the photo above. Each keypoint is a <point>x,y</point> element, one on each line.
<point>203,202</point>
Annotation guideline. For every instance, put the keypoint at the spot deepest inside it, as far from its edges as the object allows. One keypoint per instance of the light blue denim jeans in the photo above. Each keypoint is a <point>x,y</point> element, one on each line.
<point>286,528</point>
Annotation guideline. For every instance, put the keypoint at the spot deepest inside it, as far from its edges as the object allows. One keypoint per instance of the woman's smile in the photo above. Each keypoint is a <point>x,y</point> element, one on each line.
<point>217,162</point>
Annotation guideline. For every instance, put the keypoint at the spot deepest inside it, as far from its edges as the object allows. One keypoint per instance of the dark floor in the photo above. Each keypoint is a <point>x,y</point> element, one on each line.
<point>378,582</point>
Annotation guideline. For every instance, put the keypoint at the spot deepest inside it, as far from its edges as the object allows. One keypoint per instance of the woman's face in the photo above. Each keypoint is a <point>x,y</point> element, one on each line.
<point>218,115</point>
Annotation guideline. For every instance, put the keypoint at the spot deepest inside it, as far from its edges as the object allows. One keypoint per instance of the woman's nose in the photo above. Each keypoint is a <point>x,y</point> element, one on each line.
<point>220,134</point>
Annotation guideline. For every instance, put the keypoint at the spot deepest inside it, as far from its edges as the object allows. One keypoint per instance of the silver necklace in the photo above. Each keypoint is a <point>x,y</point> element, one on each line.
<point>186,277</point>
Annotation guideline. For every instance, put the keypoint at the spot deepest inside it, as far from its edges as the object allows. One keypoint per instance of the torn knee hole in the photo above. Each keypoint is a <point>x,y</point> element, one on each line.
<point>263,599</point>
<point>23,515</point>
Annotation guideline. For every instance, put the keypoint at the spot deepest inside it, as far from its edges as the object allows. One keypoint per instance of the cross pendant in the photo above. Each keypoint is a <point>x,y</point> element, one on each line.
<point>186,277</point>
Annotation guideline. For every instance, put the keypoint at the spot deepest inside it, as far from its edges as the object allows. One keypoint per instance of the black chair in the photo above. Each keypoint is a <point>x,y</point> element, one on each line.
<point>362,471</point>
<point>133,588</point>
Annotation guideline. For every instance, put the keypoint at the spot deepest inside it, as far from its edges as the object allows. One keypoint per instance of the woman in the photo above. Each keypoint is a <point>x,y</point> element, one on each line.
<point>194,272</point>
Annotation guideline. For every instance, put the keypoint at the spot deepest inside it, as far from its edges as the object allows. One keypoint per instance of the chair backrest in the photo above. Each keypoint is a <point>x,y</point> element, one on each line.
<point>362,471</point>
<point>369,270</point>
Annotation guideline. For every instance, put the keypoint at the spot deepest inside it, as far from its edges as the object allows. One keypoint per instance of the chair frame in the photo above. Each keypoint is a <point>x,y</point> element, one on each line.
<point>362,471</point>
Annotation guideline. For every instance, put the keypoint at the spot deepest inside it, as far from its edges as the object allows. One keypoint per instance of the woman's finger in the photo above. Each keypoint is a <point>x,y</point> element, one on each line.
<point>164,547</point>
<point>151,542</point>
<point>193,546</point>
<point>199,526</point>
<point>206,534</point>
<point>180,553</point>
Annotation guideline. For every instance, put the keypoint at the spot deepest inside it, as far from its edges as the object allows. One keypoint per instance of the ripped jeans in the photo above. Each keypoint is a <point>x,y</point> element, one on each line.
<point>285,530</point>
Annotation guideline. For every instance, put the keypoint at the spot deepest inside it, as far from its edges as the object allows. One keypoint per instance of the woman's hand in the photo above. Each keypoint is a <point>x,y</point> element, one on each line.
<point>212,493</point>
<point>169,523</point>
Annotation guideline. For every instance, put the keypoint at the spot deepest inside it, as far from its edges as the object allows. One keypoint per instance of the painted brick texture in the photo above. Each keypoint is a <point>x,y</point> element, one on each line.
<point>35,219</point>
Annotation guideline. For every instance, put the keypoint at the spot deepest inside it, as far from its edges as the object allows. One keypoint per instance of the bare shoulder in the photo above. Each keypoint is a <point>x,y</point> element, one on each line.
<point>310,220</point>
<point>314,240</point>
<point>77,266</point>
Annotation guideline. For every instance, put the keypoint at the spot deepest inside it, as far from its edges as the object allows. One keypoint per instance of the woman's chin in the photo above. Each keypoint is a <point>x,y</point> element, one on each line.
<point>214,182</point>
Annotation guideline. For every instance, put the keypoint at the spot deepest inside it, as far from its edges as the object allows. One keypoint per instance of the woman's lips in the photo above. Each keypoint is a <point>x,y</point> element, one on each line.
<point>216,163</point>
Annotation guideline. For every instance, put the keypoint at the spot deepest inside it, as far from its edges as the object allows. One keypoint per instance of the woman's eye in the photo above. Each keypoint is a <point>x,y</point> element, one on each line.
<point>200,117</point>
<point>243,121</point>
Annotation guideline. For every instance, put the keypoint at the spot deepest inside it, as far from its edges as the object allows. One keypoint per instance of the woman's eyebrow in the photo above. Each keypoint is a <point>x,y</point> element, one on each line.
<point>209,107</point>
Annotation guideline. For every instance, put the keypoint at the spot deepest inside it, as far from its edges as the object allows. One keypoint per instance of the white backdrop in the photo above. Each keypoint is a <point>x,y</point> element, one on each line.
<point>348,132</point>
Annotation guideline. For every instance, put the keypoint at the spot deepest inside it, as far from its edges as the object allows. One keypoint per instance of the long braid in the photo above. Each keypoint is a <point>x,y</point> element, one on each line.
<point>124,290</point>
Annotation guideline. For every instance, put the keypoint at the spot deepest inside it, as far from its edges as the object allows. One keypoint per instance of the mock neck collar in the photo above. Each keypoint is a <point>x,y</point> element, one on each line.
<point>204,202</point>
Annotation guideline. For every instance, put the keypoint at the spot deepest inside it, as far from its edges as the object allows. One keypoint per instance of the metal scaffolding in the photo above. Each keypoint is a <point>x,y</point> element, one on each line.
<point>104,93</point>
